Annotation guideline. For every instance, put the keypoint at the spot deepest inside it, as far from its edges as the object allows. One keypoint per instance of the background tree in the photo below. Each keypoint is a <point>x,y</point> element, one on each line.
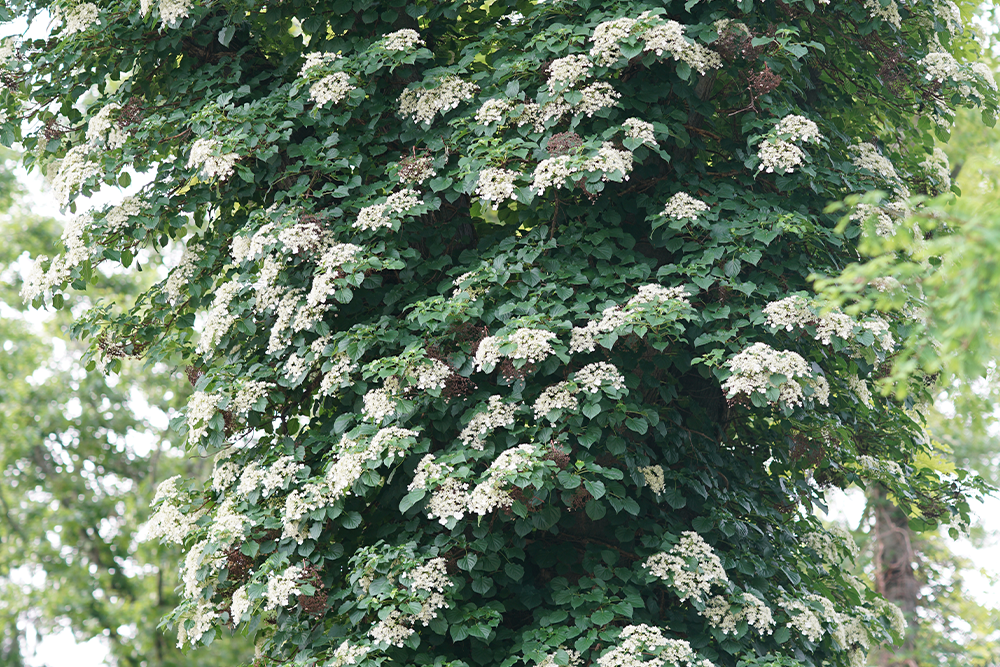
<point>78,467</point>
<point>589,428</point>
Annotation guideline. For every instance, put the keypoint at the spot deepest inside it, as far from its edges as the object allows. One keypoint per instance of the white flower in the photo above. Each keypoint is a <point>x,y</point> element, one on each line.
<point>496,185</point>
<point>798,128</point>
<point>200,410</point>
<point>936,165</point>
<point>490,494</point>
<point>379,404</point>
<point>496,414</point>
<point>203,155</point>
<point>804,620</point>
<point>557,397</point>
<point>683,206</point>
<point>888,13</point>
<point>654,478</point>
<point>74,169</point>
<point>80,17</point>
<point>779,156</point>
<point>688,581</point>
<point>669,37</point>
<point>240,605</point>
<point>172,11</point>
<point>592,377</point>
<point>606,37</point>
<point>570,69</point>
<point>753,368</point>
<point>597,96</point>
<point>280,588</point>
<point>391,630</point>
<point>432,375</point>
<point>422,104</point>
<point>640,129</point>
<point>332,88</point>
<point>493,111</point>
<point>316,59</point>
<point>401,40</point>
<point>117,218</point>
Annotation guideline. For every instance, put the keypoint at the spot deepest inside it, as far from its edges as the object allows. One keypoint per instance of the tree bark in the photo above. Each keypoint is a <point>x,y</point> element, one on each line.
<point>895,575</point>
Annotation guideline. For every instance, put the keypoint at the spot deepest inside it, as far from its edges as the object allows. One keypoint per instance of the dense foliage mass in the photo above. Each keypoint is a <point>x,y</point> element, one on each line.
<point>498,316</point>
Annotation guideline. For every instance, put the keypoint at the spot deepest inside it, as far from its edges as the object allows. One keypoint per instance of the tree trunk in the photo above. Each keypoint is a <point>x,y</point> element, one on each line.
<point>895,577</point>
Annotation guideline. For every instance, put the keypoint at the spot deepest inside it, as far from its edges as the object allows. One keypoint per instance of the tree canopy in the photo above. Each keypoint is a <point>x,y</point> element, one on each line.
<point>499,316</point>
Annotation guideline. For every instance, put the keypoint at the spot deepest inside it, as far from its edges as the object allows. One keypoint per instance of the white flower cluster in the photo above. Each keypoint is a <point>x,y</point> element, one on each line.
<point>219,319</point>
<point>569,70</point>
<point>38,281</point>
<point>683,206</point>
<point>645,646</point>
<point>432,375</point>
<point>985,72</point>
<point>584,339</point>
<point>882,470</point>
<point>596,96</point>
<point>937,167</point>
<point>331,88</point>
<point>753,368</point>
<point>203,615</point>
<point>224,473</point>
<point>348,654</point>
<point>416,169</point>
<point>338,374</point>
<point>779,156</point>
<point>422,104</point>
<point>885,224</point>
<point>169,524</point>
<point>428,471</point>
<point>432,577</point>
<point>830,544</point>
<point>8,50</point>
<point>117,218</point>
<point>654,478</point>
<point>79,18</point>
<point>496,185</point>
<point>554,171</point>
<point>860,389</point>
<point>550,659</point>
<point>171,11</point>
<point>345,470</point>
<point>757,614</point>
<point>641,130</point>
<point>493,111</point>
<point>74,169</point>
<point>200,410</point>
<point>316,59</point>
<point>673,566</point>
<point>401,40</point>
<point>804,620</point>
<point>659,37</point>
<point>382,215</point>
<point>867,156</point>
<point>798,128</point>
<point>282,587</point>
<point>496,414</point>
<point>102,128</point>
<point>719,613</point>
<point>795,311</point>
<point>560,396</point>
<point>492,494</point>
<point>531,345</point>
<point>227,525</point>
<point>391,630</point>
<point>203,155</point>
<point>379,404</point>
<point>240,605</point>
<point>888,13</point>
<point>592,377</point>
